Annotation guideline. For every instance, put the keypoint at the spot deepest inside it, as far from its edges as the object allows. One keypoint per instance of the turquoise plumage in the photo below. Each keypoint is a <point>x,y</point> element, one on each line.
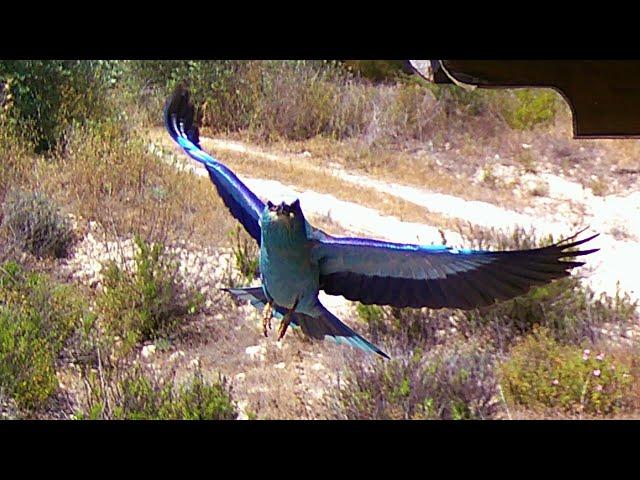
<point>298,260</point>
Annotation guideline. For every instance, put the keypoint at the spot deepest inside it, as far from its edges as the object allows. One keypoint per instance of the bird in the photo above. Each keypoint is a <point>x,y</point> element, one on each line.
<point>298,260</point>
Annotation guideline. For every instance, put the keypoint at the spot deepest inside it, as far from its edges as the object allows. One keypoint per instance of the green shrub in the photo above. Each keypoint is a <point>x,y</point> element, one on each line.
<point>529,108</point>
<point>44,97</point>
<point>146,301</point>
<point>405,330</point>
<point>139,396</point>
<point>37,316</point>
<point>449,382</point>
<point>378,70</point>
<point>543,374</point>
<point>246,255</point>
<point>372,314</point>
<point>36,225</point>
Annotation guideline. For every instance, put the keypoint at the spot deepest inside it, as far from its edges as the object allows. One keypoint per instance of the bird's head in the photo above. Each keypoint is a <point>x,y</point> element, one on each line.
<point>284,211</point>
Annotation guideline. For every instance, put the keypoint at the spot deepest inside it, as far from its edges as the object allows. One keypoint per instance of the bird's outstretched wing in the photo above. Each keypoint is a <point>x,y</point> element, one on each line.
<point>404,275</point>
<point>244,205</point>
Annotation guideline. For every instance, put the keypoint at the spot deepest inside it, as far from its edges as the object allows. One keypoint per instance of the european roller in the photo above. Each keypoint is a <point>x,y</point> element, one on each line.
<point>298,260</point>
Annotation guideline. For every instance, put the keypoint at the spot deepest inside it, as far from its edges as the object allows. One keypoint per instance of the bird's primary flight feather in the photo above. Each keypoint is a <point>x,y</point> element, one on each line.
<point>365,270</point>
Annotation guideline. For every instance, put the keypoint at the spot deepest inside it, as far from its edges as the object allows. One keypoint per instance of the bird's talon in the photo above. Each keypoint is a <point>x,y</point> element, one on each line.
<point>267,314</point>
<point>282,329</point>
<point>286,320</point>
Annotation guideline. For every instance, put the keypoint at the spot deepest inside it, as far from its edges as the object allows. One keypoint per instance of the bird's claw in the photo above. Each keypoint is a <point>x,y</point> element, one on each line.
<point>284,324</point>
<point>267,315</point>
<point>286,320</point>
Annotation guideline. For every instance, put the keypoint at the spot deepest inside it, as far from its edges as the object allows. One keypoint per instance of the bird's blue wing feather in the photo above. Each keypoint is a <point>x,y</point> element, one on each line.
<point>405,275</point>
<point>243,204</point>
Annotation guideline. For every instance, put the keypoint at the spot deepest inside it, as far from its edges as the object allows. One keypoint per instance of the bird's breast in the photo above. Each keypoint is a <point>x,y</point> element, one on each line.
<point>288,271</point>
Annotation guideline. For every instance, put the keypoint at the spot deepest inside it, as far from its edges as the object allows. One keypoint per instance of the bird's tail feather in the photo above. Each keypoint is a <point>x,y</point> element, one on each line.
<point>324,325</point>
<point>327,325</point>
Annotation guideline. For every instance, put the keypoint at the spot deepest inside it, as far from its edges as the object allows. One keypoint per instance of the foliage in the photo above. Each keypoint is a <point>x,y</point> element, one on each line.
<point>37,316</point>
<point>543,374</point>
<point>246,255</point>
<point>378,70</point>
<point>136,395</point>
<point>529,108</point>
<point>36,225</point>
<point>44,97</point>
<point>146,301</point>
<point>449,382</point>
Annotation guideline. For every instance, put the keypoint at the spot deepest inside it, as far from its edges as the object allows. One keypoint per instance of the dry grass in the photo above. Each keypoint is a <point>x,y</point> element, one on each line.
<point>127,190</point>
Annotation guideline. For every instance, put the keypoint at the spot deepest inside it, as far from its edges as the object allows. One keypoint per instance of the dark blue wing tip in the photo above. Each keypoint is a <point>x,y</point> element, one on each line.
<point>179,116</point>
<point>383,355</point>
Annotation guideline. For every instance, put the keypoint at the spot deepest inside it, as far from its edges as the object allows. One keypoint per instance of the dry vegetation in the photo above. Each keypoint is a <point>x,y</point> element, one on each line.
<point>146,332</point>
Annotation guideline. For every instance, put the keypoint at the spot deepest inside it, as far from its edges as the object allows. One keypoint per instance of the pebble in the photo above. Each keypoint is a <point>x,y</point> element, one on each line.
<point>255,352</point>
<point>148,350</point>
<point>175,355</point>
<point>242,407</point>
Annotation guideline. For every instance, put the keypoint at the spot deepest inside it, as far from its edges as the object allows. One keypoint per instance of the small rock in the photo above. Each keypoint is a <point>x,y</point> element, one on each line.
<point>240,376</point>
<point>175,355</point>
<point>242,413</point>
<point>280,365</point>
<point>148,350</point>
<point>256,352</point>
<point>317,367</point>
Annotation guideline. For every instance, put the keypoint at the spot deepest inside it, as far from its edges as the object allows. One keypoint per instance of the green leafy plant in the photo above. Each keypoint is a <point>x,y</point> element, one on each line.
<point>146,301</point>
<point>452,382</point>
<point>530,107</point>
<point>246,255</point>
<point>44,97</point>
<point>135,395</point>
<point>37,317</point>
<point>543,374</point>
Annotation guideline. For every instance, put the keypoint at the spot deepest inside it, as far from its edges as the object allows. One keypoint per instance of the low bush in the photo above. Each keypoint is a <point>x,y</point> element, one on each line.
<point>136,395</point>
<point>35,224</point>
<point>144,301</point>
<point>542,374</point>
<point>246,254</point>
<point>529,108</point>
<point>405,330</point>
<point>44,97</point>
<point>449,382</point>
<point>37,316</point>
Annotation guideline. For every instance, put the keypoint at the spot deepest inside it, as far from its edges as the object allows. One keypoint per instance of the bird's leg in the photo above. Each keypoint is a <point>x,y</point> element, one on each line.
<point>286,320</point>
<point>267,315</point>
